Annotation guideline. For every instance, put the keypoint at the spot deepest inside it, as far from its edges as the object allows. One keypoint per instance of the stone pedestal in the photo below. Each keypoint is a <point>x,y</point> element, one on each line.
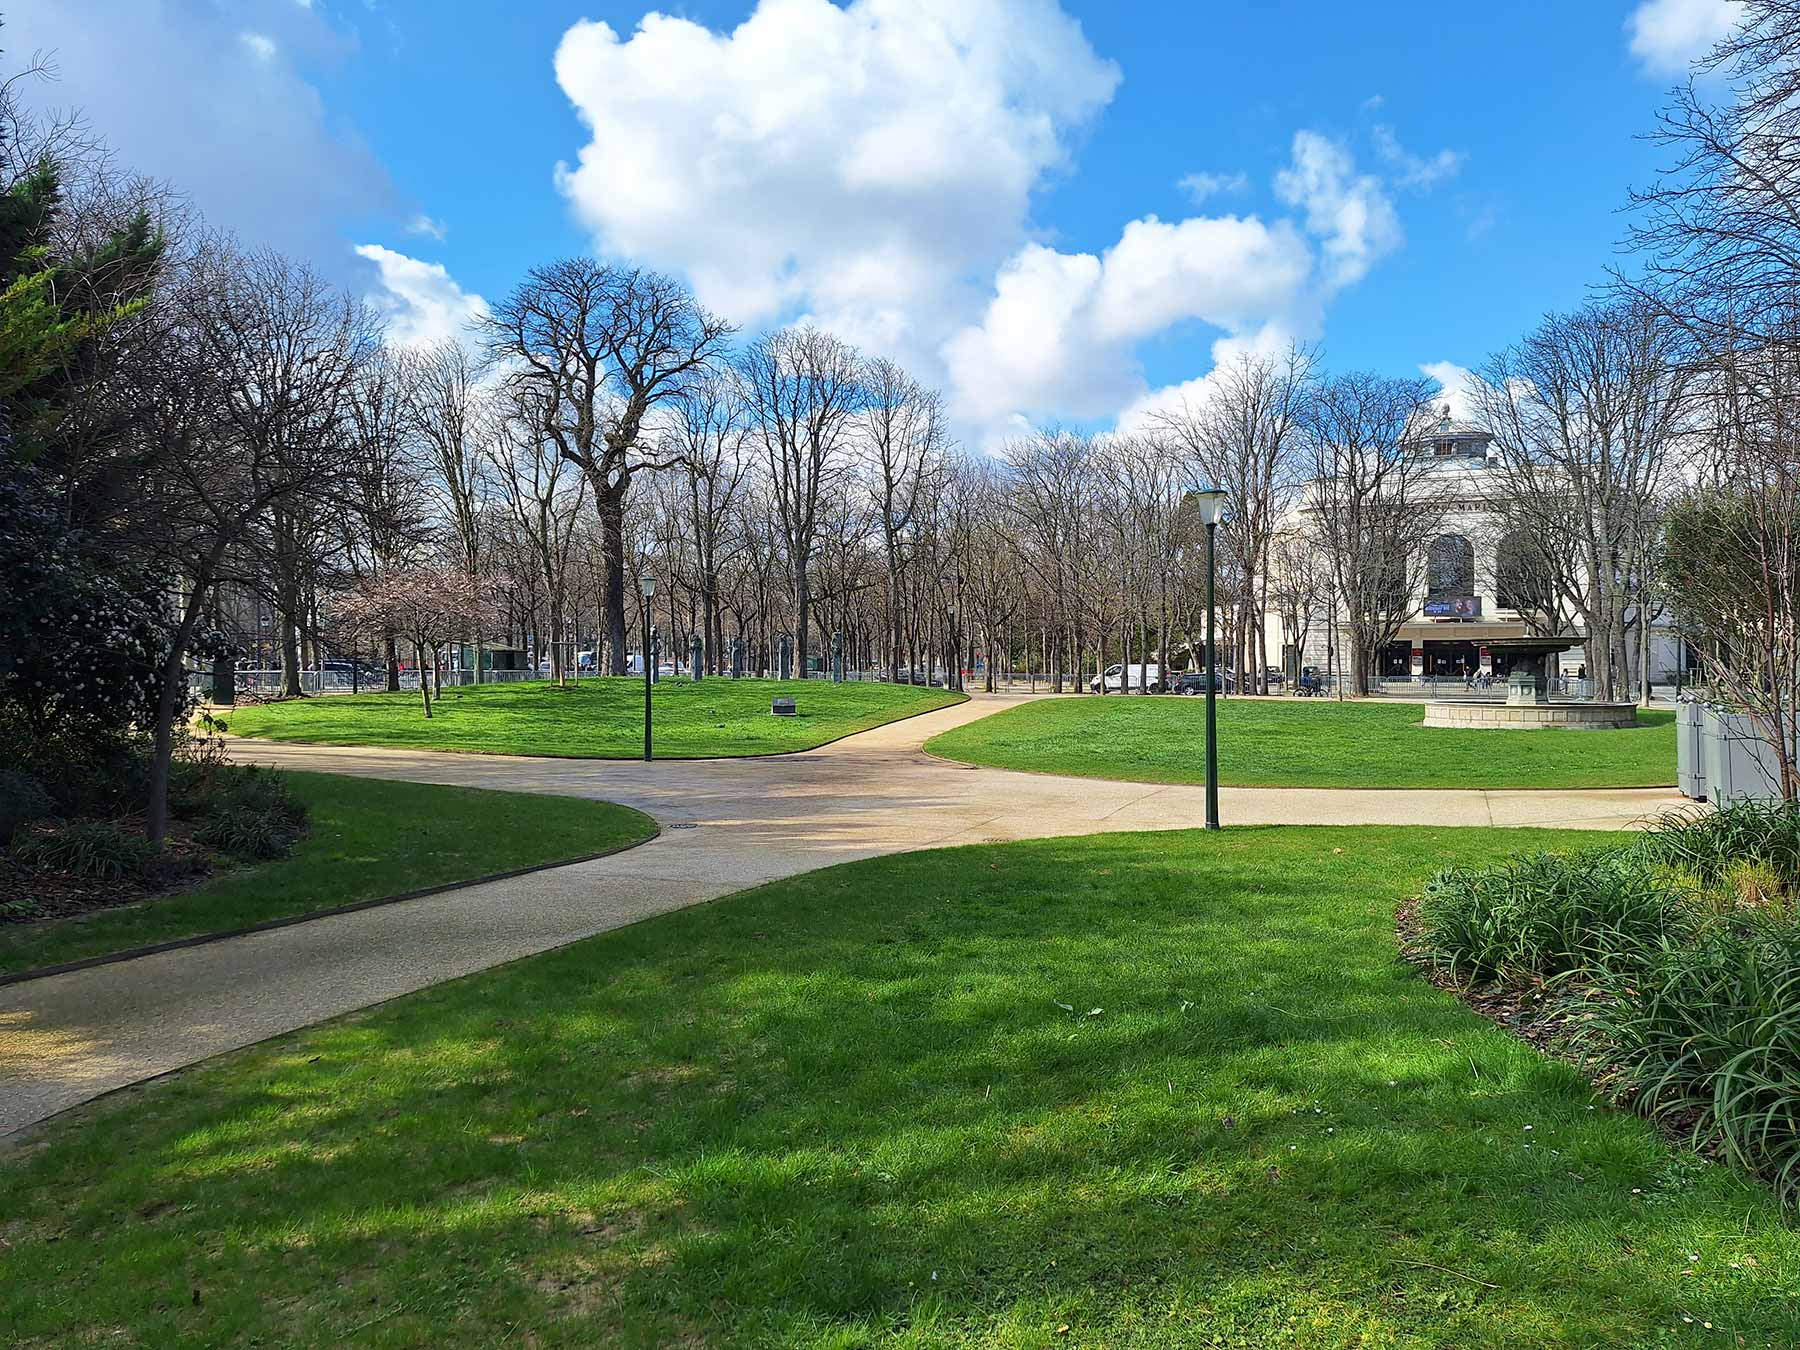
<point>1527,688</point>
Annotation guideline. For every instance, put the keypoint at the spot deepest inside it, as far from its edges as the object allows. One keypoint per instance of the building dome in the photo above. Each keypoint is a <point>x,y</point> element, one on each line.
<point>1447,438</point>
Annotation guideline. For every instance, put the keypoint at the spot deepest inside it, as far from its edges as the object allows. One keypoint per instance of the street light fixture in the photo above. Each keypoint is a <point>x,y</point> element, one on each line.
<point>1210,503</point>
<point>647,589</point>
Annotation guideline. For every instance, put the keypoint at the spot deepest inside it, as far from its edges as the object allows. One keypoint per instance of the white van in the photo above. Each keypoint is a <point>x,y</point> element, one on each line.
<point>1134,676</point>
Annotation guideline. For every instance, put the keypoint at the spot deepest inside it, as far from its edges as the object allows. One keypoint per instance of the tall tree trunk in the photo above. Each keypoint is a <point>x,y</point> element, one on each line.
<point>802,616</point>
<point>612,600</point>
<point>290,650</point>
<point>424,678</point>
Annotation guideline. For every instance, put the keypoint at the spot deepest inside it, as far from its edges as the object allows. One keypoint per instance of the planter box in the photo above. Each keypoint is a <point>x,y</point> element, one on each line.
<point>1735,763</point>
<point>1690,750</point>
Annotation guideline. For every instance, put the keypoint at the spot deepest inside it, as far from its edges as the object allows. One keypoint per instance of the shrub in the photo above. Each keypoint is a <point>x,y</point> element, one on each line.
<point>22,801</point>
<point>1711,1026</point>
<point>248,833</point>
<point>250,813</point>
<point>1709,844</point>
<point>88,848</point>
<point>1546,914</point>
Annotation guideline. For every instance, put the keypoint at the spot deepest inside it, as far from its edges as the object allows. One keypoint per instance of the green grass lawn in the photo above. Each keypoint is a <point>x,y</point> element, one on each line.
<point>599,718</point>
<point>368,838</point>
<point>1304,743</point>
<point>1134,1090</point>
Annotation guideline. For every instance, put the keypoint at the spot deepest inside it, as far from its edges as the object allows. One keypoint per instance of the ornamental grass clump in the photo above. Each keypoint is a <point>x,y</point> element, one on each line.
<point>95,849</point>
<point>1710,844</point>
<point>250,813</point>
<point>1546,914</point>
<point>1677,957</point>
<point>1706,1036</point>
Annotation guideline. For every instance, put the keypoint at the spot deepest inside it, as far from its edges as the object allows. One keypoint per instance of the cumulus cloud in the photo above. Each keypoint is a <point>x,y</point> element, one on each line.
<point>1456,388</point>
<point>1059,335</point>
<point>208,97</point>
<point>420,301</point>
<point>869,165</point>
<point>865,164</point>
<point>1143,413</point>
<point>1667,34</point>
<point>1349,211</point>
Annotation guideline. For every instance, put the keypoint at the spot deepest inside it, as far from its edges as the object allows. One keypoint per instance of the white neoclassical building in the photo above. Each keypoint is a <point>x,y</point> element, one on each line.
<point>1478,584</point>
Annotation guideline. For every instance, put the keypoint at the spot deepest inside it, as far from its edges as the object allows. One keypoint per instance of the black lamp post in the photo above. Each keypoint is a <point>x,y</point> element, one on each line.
<point>647,589</point>
<point>1211,505</point>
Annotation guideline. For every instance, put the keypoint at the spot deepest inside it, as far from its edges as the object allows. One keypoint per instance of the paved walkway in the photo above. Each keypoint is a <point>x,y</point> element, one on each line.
<point>728,824</point>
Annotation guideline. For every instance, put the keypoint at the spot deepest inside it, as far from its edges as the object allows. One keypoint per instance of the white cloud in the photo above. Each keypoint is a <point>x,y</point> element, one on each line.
<point>1350,212</point>
<point>1667,34</point>
<point>420,301</point>
<point>1410,170</point>
<point>1456,388</point>
<point>1142,413</point>
<point>208,97</point>
<point>867,164</point>
<point>1200,186</point>
<point>431,228</point>
<point>1060,333</point>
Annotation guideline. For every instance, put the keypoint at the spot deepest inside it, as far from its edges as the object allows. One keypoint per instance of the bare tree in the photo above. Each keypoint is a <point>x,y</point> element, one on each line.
<point>1372,506</point>
<point>1241,437</point>
<point>1054,478</point>
<point>905,441</point>
<point>544,495</point>
<point>256,359</point>
<point>710,430</point>
<point>1587,413</point>
<point>599,348</point>
<point>804,390</point>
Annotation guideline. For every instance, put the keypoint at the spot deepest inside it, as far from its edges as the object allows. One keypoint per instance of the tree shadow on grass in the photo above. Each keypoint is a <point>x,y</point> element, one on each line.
<point>855,1104</point>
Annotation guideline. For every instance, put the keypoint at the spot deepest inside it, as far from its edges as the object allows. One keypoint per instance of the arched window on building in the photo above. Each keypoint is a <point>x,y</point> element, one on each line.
<point>1522,576</point>
<point>1450,567</point>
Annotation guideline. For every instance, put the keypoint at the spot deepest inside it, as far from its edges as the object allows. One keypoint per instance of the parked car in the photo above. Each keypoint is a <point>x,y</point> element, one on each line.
<point>1134,677</point>
<point>1194,682</point>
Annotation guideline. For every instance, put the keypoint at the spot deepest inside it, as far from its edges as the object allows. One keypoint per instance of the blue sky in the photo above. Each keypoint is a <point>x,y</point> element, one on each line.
<point>992,190</point>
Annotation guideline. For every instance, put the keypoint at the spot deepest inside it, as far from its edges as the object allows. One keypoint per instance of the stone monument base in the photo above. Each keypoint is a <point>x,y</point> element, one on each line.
<point>1492,715</point>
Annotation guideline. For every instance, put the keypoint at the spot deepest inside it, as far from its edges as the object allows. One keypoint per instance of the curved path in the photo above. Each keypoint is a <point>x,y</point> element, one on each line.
<point>727,824</point>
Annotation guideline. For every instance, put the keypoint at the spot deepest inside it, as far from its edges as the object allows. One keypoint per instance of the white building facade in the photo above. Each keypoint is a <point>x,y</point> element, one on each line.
<point>1478,585</point>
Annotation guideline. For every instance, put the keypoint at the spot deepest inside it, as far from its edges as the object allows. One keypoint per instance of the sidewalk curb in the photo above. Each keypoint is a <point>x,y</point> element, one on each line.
<point>288,921</point>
